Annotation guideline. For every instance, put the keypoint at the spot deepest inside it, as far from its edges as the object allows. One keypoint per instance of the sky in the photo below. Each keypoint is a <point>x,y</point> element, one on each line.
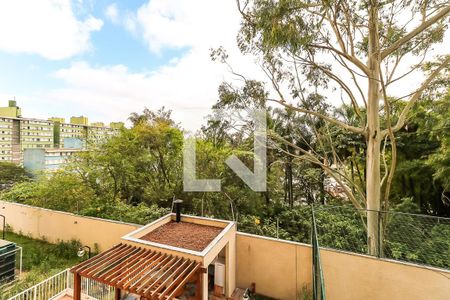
<point>106,59</point>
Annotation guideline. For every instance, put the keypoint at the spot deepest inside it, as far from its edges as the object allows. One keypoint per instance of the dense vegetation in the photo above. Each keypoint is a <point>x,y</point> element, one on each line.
<point>10,174</point>
<point>377,151</point>
<point>135,176</point>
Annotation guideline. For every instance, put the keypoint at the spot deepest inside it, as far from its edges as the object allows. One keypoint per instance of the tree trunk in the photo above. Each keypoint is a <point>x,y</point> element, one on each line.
<point>322,186</point>
<point>290,185</point>
<point>373,178</point>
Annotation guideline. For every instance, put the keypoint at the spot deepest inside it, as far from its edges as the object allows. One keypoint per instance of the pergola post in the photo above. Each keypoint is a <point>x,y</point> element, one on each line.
<point>76,286</point>
<point>115,263</point>
<point>200,291</point>
<point>117,294</point>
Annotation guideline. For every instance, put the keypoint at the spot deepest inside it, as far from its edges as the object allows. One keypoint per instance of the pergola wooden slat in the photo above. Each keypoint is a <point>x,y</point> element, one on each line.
<point>151,274</point>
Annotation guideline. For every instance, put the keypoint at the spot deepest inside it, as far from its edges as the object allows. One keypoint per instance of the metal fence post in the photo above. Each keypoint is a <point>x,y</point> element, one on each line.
<point>379,234</point>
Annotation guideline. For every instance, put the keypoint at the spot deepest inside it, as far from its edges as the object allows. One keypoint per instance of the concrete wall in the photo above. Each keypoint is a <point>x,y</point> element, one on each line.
<point>56,225</point>
<point>280,269</point>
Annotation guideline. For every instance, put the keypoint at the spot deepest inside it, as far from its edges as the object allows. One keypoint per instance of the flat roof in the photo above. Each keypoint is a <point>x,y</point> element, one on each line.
<point>183,235</point>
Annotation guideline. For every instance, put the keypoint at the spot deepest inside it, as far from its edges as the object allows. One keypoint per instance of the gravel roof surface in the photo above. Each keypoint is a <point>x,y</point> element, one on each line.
<point>183,235</point>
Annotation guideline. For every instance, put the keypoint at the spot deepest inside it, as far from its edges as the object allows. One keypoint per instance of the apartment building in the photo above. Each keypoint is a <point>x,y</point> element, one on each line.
<point>48,160</point>
<point>63,131</point>
<point>11,111</point>
<point>98,133</point>
<point>10,133</point>
<point>35,133</point>
<point>6,139</point>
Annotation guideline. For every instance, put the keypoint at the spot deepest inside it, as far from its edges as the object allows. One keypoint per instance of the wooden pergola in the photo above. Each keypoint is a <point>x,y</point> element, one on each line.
<point>148,273</point>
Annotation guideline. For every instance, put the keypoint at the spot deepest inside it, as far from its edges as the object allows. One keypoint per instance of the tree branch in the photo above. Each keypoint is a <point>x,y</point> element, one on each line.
<point>328,169</point>
<point>319,115</point>
<point>341,83</point>
<point>350,58</point>
<point>402,119</point>
<point>415,32</point>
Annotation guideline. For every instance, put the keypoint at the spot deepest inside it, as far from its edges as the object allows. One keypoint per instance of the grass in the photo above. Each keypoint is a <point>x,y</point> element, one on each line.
<point>42,255</point>
<point>41,260</point>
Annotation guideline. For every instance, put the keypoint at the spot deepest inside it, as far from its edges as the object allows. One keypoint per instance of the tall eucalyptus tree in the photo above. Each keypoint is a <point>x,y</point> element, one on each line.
<point>362,49</point>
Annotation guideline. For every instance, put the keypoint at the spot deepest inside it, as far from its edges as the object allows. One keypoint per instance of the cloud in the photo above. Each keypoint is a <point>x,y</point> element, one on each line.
<point>112,12</point>
<point>45,27</point>
<point>187,84</point>
<point>194,23</point>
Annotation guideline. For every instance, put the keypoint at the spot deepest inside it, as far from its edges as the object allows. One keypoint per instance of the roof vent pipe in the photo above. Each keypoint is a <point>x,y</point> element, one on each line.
<point>178,203</point>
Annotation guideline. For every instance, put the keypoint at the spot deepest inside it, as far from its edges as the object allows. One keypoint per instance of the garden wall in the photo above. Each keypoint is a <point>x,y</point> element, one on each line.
<point>280,269</point>
<point>55,225</point>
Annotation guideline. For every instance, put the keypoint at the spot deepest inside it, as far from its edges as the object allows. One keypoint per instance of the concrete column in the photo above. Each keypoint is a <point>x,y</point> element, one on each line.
<point>204,283</point>
<point>230,267</point>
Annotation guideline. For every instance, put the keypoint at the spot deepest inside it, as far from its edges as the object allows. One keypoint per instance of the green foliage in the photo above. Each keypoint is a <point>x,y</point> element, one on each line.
<point>305,293</point>
<point>117,210</point>
<point>21,192</point>
<point>419,239</point>
<point>43,256</point>
<point>342,228</point>
<point>135,175</point>
<point>63,191</point>
<point>11,173</point>
<point>408,237</point>
<point>423,169</point>
<point>142,164</point>
<point>41,260</point>
<point>440,161</point>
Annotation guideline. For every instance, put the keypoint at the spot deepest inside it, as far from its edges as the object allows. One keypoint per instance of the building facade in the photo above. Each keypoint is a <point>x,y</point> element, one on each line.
<point>97,135</point>
<point>6,138</point>
<point>11,111</point>
<point>36,133</point>
<point>47,160</point>
<point>18,134</point>
<point>10,143</point>
<point>63,131</point>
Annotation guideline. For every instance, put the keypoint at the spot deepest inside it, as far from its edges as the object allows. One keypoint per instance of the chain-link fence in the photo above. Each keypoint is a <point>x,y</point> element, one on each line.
<point>407,237</point>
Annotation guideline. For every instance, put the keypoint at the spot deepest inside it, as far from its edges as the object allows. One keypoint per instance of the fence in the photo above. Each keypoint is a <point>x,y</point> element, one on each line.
<point>420,239</point>
<point>61,284</point>
<point>46,289</point>
<point>94,289</point>
<point>317,276</point>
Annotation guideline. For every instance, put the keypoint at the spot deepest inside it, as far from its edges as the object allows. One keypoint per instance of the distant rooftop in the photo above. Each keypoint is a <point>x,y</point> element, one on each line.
<point>14,112</point>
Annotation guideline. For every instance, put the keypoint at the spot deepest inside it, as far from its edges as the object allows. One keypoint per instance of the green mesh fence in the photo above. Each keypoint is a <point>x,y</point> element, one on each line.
<point>407,237</point>
<point>416,238</point>
<point>318,281</point>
